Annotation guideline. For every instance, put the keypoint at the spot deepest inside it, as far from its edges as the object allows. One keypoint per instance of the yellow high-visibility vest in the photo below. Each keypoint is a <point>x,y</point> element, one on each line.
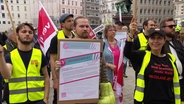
<point>143,41</point>
<point>60,34</point>
<point>26,84</point>
<point>140,85</point>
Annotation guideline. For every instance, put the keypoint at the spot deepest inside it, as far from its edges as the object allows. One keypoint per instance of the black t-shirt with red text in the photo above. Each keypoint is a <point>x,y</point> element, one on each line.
<point>159,81</point>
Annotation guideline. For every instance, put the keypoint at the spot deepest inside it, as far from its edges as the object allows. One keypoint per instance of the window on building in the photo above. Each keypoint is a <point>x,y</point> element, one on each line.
<point>3,15</point>
<point>75,3</point>
<point>8,22</point>
<point>169,3</point>
<point>81,12</point>
<point>19,22</point>
<point>63,10</point>
<point>72,11</point>
<point>140,11</point>
<point>0,22</point>
<point>18,15</point>
<point>164,2</point>
<point>149,1</point>
<point>141,1</point>
<point>145,1</point>
<point>2,7</point>
<point>144,11</point>
<point>148,11</point>
<point>2,1</point>
<point>152,10</point>
<point>4,22</point>
<point>24,1</point>
<point>80,3</point>
<point>160,2</point>
<point>11,8</point>
<point>17,8</point>
<point>68,10</point>
<point>25,9</point>
<point>141,20</point>
<point>113,6</point>
<point>159,11</point>
<point>168,11</point>
<point>75,11</point>
<point>11,1</point>
<point>25,16</point>
<point>17,1</point>
<point>12,15</point>
<point>63,1</point>
<point>72,2</point>
<point>156,2</point>
<point>68,2</point>
<point>164,12</point>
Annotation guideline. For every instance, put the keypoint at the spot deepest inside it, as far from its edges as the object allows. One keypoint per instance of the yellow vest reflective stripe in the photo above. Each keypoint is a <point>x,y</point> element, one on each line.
<point>143,41</point>
<point>5,80</point>
<point>25,83</point>
<point>175,81</point>
<point>60,35</point>
<point>140,85</point>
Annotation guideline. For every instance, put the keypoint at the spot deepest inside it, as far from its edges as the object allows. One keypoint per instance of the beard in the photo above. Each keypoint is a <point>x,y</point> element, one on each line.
<point>170,35</point>
<point>25,42</point>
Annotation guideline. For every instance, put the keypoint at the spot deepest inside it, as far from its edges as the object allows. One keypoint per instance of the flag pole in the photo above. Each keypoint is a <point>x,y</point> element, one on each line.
<point>11,20</point>
<point>135,10</point>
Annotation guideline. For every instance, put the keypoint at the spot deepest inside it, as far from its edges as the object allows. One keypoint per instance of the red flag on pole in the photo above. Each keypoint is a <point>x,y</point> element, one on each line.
<point>91,34</point>
<point>118,77</point>
<point>46,29</point>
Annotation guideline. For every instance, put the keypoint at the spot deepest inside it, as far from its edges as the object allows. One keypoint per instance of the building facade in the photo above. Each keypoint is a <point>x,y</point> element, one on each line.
<point>19,10</point>
<point>179,12</point>
<point>154,9</point>
<point>27,11</point>
<point>91,10</point>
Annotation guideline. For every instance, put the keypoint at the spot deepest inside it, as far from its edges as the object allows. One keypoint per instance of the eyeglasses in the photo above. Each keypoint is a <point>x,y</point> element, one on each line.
<point>170,26</point>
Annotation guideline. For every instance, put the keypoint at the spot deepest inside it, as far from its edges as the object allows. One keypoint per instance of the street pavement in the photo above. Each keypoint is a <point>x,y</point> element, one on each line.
<point>129,85</point>
<point>128,88</point>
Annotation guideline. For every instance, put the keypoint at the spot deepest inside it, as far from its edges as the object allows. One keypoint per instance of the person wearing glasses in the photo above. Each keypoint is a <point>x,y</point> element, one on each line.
<point>175,47</point>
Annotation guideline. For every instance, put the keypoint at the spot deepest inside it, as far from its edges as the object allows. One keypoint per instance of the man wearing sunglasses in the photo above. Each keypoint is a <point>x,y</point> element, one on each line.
<point>175,47</point>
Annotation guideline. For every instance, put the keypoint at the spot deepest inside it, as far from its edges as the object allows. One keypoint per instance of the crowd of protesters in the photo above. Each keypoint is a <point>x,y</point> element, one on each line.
<point>156,54</point>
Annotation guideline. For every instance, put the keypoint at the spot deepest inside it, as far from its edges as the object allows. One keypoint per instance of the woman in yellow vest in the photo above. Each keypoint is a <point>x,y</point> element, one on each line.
<point>157,80</point>
<point>26,69</point>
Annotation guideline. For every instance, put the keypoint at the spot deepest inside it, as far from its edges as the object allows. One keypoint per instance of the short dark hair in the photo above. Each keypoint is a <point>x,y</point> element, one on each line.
<point>145,23</point>
<point>79,17</point>
<point>163,22</point>
<point>20,26</point>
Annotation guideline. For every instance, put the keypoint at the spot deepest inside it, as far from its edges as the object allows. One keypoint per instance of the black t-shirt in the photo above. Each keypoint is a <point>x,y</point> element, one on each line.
<point>26,56</point>
<point>54,44</point>
<point>159,81</point>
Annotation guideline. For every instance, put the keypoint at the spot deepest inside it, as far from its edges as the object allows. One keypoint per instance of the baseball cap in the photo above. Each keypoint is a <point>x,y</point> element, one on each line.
<point>64,16</point>
<point>156,31</point>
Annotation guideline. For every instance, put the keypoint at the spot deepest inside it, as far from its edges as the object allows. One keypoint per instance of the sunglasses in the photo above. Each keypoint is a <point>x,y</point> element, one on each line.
<point>170,26</point>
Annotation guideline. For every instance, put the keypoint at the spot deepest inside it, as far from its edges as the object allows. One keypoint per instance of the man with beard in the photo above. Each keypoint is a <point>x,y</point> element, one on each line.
<point>66,22</point>
<point>140,41</point>
<point>81,27</point>
<point>175,47</point>
<point>26,69</point>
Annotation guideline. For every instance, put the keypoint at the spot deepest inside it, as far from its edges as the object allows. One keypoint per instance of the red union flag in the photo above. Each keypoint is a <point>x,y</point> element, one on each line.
<point>91,34</point>
<point>46,29</point>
